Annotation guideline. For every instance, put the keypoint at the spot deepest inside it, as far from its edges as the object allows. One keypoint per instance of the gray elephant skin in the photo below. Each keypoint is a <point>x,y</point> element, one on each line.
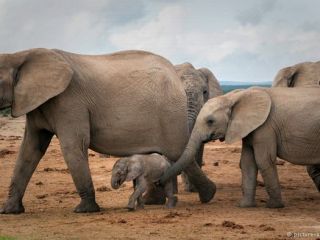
<point>143,170</point>
<point>306,74</point>
<point>271,122</point>
<point>91,102</point>
<point>200,85</point>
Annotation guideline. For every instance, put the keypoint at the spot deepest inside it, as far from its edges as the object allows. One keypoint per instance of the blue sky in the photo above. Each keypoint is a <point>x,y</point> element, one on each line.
<point>248,40</point>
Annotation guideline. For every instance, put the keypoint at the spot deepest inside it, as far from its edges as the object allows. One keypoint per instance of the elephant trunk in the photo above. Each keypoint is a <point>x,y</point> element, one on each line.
<point>185,159</point>
<point>193,109</point>
<point>206,188</point>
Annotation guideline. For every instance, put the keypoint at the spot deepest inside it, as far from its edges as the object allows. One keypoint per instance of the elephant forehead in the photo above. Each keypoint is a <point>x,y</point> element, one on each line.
<point>216,104</point>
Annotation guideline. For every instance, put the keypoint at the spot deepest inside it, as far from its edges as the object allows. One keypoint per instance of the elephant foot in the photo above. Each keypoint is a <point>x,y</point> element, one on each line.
<point>11,207</point>
<point>272,203</point>
<point>172,202</point>
<point>87,206</point>
<point>206,192</point>
<point>244,203</point>
<point>130,208</point>
<point>155,196</point>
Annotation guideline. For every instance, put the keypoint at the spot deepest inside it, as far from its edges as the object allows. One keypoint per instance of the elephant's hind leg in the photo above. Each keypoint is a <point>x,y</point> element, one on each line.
<point>314,173</point>
<point>265,156</point>
<point>74,145</point>
<point>34,145</point>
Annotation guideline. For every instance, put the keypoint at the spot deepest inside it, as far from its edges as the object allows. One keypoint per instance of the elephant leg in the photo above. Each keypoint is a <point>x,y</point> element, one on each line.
<point>265,157</point>
<point>314,173</point>
<point>172,200</point>
<point>249,172</point>
<point>140,188</point>
<point>140,203</point>
<point>34,145</point>
<point>74,146</point>
<point>155,195</point>
<point>206,188</point>
<point>189,187</point>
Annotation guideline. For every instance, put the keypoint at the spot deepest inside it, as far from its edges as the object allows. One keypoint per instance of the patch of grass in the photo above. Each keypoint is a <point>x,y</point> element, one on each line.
<point>7,238</point>
<point>5,112</point>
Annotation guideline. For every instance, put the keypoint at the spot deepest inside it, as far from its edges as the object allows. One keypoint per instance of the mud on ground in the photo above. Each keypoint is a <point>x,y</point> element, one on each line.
<point>51,197</point>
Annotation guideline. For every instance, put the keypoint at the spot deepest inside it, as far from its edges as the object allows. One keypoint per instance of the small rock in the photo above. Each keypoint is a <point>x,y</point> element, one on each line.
<point>122,221</point>
<point>266,227</point>
<point>42,196</point>
<point>207,224</point>
<point>39,183</point>
<point>230,224</point>
<point>216,164</point>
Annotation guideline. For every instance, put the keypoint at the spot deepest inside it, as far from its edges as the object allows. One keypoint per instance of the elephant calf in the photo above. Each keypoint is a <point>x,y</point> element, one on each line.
<point>143,170</point>
<point>271,122</point>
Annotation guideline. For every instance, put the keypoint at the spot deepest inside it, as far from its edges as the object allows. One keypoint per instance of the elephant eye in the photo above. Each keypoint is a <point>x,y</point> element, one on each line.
<point>210,122</point>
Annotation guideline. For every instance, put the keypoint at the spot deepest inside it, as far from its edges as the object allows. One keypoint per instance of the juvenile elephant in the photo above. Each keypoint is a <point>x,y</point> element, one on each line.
<point>125,103</point>
<point>143,170</point>
<point>271,122</point>
<point>200,85</point>
<point>306,74</point>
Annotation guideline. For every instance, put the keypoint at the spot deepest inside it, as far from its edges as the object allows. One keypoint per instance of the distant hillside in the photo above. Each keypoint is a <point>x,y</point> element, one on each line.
<point>229,86</point>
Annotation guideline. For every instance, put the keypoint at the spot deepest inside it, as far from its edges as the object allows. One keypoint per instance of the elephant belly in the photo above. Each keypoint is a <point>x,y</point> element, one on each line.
<point>122,145</point>
<point>138,138</point>
<point>300,151</point>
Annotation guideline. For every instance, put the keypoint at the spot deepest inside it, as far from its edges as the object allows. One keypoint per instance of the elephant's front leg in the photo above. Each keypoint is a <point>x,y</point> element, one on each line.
<point>34,145</point>
<point>140,188</point>
<point>249,172</point>
<point>206,188</point>
<point>75,151</point>
<point>265,156</point>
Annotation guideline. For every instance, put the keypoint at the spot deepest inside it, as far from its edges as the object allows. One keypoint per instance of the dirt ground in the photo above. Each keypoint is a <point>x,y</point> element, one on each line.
<point>51,197</point>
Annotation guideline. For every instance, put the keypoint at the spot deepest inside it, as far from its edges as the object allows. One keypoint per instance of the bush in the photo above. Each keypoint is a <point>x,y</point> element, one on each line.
<point>5,112</point>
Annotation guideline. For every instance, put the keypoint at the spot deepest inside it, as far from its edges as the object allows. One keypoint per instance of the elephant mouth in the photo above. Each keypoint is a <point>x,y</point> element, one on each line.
<point>213,137</point>
<point>117,184</point>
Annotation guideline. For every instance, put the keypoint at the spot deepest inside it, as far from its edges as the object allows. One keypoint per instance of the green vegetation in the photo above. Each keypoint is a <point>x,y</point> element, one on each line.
<point>5,112</point>
<point>228,88</point>
<point>7,238</point>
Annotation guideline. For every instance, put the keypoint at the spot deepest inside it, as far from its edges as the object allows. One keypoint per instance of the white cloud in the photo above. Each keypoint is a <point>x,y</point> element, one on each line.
<point>239,40</point>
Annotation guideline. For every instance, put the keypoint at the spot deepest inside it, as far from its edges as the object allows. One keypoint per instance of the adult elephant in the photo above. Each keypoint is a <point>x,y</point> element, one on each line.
<point>306,74</point>
<point>200,85</point>
<point>121,104</point>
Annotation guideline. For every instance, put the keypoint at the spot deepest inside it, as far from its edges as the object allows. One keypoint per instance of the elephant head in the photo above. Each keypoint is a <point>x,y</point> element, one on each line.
<point>200,85</point>
<point>126,169</point>
<point>30,78</point>
<point>305,74</point>
<point>230,117</point>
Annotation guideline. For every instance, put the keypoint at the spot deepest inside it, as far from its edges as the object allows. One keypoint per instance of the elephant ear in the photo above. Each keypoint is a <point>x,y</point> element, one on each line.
<point>41,75</point>
<point>135,169</point>
<point>214,86</point>
<point>249,110</point>
<point>285,77</point>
